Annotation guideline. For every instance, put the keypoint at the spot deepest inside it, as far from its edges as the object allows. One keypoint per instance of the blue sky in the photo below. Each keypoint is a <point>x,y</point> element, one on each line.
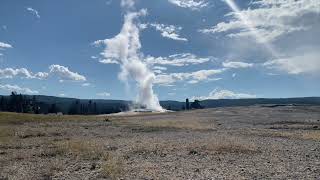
<point>194,48</point>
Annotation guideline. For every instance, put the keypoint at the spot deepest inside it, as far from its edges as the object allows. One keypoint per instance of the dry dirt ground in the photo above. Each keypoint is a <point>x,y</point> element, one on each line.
<point>224,143</point>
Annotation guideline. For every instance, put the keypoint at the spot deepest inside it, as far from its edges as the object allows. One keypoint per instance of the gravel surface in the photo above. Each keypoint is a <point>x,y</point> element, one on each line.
<point>223,143</point>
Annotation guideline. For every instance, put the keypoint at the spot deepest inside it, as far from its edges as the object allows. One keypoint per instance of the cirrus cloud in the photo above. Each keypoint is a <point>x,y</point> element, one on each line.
<point>190,4</point>
<point>269,19</point>
<point>169,31</point>
<point>236,65</point>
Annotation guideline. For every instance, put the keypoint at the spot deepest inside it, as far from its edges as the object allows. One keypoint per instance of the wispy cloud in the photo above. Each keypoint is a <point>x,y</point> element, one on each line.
<point>104,94</point>
<point>86,84</point>
<point>304,63</point>
<point>8,73</point>
<point>269,19</point>
<point>169,31</point>
<point>224,94</point>
<point>33,11</point>
<point>18,89</point>
<point>183,59</point>
<point>54,70</point>
<point>5,45</point>
<point>236,65</point>
<point>190,4</point>
<point>192,77</point>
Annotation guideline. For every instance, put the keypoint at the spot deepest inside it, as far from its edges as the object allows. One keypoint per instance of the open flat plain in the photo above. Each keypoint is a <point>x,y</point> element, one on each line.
<point>256,142</point>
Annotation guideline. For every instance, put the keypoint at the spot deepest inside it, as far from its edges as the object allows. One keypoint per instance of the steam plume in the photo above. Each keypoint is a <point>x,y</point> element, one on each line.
<point>125,48</point>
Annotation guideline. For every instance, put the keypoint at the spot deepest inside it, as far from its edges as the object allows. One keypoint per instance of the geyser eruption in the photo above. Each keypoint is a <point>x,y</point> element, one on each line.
<point>125,49</point>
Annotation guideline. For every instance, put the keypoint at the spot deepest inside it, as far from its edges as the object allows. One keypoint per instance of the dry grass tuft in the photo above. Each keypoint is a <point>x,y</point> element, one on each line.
<point>29,133</point>
<point>305,135</point>
<point>191,125</point>
<point>6,134</point>
<point>20,118</point>
<point>85,149</point>
<point>161,124</point>
<point>313,135</point>
<point>113,167</point>
<point>221,145</point>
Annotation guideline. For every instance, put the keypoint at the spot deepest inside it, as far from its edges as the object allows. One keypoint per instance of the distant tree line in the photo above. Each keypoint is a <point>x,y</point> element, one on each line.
<point>79,108</point>
<point>19,103</point>
<point>30,104</point>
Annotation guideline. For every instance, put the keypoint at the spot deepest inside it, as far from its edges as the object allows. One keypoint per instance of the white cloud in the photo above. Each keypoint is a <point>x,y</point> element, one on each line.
<point>127,3</point>
<point>267,20</point>
<point>34,12</point>
<point>192,77</point>
<point>184,59</point>
<point>108,61</point>
<point>224,94</point>
<point>22,72</point>
<point>104,94</point>
<point>10,88</point>
<point>235,65</point>
<point>190,4</point>
<point>169,31</point>
<point>308,63</point>
<point>65,74</point>
<point>5,45</point>
<point>86,84</point>
<point>41,75</point>
<point>159,68</point>
<point>62,95</point>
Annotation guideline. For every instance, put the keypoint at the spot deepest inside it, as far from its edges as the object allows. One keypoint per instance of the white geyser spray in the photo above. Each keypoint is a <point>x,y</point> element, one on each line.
<point>124,48</point>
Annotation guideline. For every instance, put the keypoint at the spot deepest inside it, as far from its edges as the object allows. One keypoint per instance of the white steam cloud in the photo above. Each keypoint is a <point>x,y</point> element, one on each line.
<point>125,48</point>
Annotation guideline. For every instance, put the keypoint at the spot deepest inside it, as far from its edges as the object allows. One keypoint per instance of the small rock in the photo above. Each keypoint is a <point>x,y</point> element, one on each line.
<point>193,152</point>
<point>93,167</point>
<point>197,170</point>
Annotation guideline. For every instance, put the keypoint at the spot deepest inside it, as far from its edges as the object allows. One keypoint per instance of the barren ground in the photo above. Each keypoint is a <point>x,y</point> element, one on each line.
<point>223,143</point>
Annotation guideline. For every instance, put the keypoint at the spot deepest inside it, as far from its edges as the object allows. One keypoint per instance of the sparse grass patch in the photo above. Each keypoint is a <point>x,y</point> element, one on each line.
<point>192,125</point>
<point>312,135</point>
<point>151,148</point>
<point>304,135</point>
<point>28,133</point>
<point>161,124</point>
<point>85,149</point>
<point>223,145</point>
<point>20,118</point>
<point>6,134</point>
<point>113,167</point>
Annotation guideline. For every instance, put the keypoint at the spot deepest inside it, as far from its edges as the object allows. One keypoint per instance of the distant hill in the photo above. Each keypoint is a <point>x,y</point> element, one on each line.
<point>84,106</point>
<point>260,101</point>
